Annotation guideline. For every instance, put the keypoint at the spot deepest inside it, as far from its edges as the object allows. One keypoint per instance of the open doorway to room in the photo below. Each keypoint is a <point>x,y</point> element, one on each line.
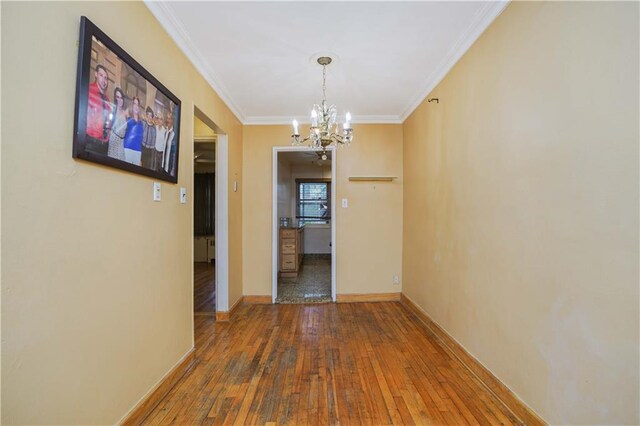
<point>304,230</point>
<point>204,220</point>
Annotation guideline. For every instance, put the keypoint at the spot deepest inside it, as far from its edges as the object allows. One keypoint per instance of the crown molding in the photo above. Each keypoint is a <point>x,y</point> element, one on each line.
<point>278,120</point>
<point>163,13</point>
<point>480,23</point>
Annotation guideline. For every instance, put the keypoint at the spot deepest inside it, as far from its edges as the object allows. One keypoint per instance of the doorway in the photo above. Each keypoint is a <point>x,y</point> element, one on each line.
<point>303,226</point>
<point>210,217</point>
<point>204,197</point>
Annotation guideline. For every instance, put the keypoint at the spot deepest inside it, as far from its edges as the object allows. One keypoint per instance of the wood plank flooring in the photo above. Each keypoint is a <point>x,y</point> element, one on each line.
<point>204,287</point>
<point>359,363</point>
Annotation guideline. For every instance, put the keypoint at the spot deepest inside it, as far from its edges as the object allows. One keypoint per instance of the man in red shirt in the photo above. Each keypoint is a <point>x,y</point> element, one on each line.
<point>99,116</point>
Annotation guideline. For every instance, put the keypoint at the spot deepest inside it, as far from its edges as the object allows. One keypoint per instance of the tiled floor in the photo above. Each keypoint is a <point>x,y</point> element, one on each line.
<point>313,283</point>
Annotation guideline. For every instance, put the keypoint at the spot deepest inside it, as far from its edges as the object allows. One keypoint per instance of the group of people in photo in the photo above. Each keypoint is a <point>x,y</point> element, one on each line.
<point>127,130</point>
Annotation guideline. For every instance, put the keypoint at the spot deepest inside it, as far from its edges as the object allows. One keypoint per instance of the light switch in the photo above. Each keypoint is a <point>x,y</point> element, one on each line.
<point>345,203</point>
<point>183,195</point>
<point>156,191</point>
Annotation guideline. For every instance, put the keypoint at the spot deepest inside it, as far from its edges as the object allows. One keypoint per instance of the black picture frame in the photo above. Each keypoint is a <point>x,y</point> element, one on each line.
<point>117,134</point>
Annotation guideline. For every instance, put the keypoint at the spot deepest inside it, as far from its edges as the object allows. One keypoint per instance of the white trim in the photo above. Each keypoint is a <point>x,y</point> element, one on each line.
<point>274,217</point>
<point>479,24</point>
<point>274,226</point>
<point>279,120</point>
<point>172,25</point>
<point>222,225</point>
<point>334,217</point>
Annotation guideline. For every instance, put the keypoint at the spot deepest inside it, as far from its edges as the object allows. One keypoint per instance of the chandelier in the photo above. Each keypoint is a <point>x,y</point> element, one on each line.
<point>324,128</point>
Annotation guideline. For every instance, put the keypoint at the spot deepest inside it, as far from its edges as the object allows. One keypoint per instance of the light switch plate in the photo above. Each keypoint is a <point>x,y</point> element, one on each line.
<point>183,195</point>
<point>157,195</point>
<point>345,203</point>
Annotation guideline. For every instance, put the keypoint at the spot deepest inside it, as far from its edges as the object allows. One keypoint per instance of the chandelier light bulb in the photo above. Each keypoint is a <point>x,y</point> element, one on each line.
<point>295,127</point>
<point>314,118</point>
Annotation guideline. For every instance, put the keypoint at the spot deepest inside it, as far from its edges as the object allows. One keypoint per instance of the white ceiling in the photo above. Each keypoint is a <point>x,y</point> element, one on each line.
<point>260,56</point>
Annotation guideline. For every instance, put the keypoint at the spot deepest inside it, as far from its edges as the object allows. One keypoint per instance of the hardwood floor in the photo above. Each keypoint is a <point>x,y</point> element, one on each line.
<point>359,363</point>
<point>204,287</point>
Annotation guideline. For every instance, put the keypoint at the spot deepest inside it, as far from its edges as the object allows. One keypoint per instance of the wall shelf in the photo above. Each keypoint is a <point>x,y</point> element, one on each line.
<point>372,178</point>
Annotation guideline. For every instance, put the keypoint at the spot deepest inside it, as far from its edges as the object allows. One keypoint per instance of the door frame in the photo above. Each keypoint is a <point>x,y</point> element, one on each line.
<point>222,224</point>
<point>275,226</point>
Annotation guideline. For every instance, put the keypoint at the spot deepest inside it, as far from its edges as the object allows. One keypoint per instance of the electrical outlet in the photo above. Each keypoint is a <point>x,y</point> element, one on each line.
<point>396,280</point>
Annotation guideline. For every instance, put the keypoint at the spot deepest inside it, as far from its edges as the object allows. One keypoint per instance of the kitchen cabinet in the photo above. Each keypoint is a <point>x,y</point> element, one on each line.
<point>291,251</point>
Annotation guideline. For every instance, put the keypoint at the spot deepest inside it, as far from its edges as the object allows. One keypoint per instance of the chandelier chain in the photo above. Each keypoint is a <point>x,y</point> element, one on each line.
<point>324,83</point>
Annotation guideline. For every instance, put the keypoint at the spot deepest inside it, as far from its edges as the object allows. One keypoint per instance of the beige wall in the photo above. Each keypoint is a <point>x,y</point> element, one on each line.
<point>369,232</point>
<point>521,207</point>
<point>97,278</point>
<point>201,130</point>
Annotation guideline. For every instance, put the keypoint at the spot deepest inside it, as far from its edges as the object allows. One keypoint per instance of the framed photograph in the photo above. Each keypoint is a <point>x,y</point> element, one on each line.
<point>124,117</point>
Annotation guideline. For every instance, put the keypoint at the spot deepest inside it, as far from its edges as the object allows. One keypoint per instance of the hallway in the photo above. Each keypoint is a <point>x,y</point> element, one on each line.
<point>361,363</point>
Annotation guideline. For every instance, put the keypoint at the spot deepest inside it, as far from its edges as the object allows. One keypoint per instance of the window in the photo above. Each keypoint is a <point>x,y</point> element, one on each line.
<point>313,201</point>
